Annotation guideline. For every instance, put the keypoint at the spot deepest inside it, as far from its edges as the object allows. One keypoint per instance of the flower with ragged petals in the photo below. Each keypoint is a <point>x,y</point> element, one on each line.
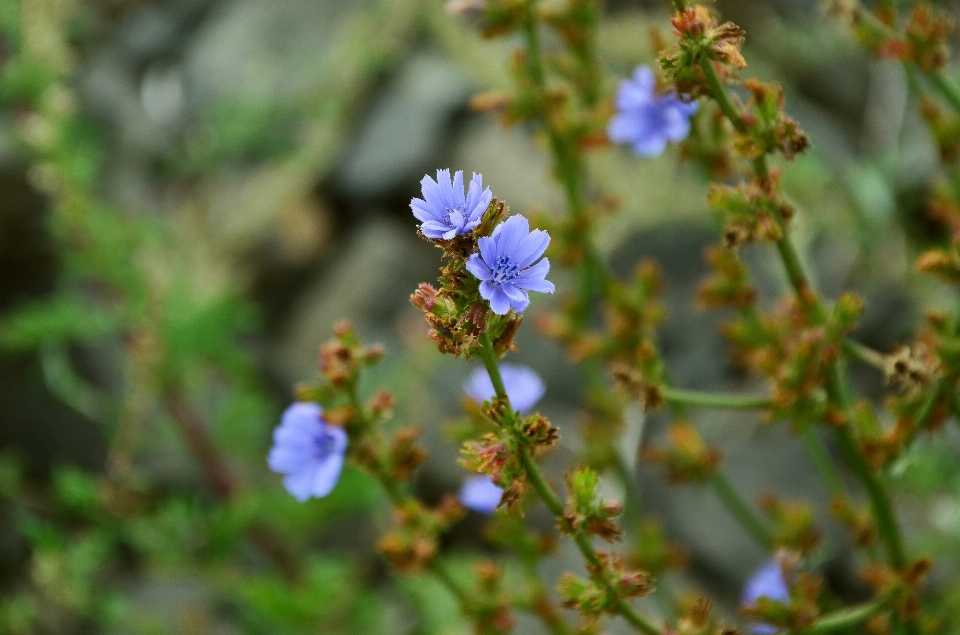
<point>445,211</point>
<point>308,451</point>
<point>480,494</point>
<point>766,582</point>
<point>524,386</point>
<point>505,265</point>
<point>647,120</point>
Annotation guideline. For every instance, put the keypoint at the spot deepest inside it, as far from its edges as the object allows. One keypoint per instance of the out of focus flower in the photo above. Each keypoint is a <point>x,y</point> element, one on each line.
<point>766,582</point>
<point>505,265</point>
<point>444,211</point>
<point>645,119</point>
<point>524,386</point>
<point>307,451</point>
<point>480,494</point>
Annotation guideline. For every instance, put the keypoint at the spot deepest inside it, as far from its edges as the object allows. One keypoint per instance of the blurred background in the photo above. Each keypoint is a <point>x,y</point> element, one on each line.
<point>192,192</point>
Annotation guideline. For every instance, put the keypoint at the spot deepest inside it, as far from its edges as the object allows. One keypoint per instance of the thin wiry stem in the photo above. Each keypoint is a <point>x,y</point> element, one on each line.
<point>813,305</point>
<point>553,503</point>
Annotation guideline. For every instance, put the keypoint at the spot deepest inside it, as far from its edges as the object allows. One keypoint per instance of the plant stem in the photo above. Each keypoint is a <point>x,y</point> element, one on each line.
<point>863,353</point>
<point>845,618</point>
<point>554,504</point>
<point>836,386</point>
<point>714,400</point>
<point>822,462</point>
<point>741,510</point>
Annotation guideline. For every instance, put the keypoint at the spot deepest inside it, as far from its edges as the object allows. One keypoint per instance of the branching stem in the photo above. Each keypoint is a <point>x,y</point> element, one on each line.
<point>553,503</point>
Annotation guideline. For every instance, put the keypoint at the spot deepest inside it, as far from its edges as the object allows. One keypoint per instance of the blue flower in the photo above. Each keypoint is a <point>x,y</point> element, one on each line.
<point>480,494</point>
<point>308,451</point>
<point>444,211</point>
<point>524,387</point>
<point>647,120</point>
<point>505,265</point>
<point>766,582</point>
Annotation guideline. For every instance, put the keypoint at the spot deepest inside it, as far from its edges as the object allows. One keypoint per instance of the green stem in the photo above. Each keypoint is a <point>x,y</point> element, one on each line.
<point>554,504</point>
<point>845,618</point>
<point>741,510</point>
<point>863,353</point>
<point>946,89</point>
<point>836,386</point>
<point>715,400</point>
<point>822,462</point>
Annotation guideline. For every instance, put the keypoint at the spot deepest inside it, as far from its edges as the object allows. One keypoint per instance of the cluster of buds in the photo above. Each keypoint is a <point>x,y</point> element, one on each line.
<point>700,38</point>
<point>945,128</point>
<point>920,38</point>
<point>750,211</point>
<point>414,541</point>
<point>728,286</point>
<point>612,581</point>
<point>768,129</point>
<point>911,367</point>
<point>687,458</point>
<point>902,588</point>
<point>696,619</point>
<point>793,524</point>
<point>496,454</point>
<point>342,357</point>
<point>585,510</point>
<point>490,603</point>
<point>803,607</point>
<point>857,519</point>
<point>880,444</point>
<point>653,552</point>
<point>795,355</point>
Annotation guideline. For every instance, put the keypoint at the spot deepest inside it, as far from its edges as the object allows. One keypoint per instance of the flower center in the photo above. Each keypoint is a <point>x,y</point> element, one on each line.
<point>504,270</point>
<point>323,445</point>
<point>456,216</point>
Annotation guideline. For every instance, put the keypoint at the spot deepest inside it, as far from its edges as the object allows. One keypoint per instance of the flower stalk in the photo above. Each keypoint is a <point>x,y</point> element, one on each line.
<point>553,503</point>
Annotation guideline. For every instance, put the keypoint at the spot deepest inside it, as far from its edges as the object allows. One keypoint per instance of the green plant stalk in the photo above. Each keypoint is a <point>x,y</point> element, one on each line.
<point>553,502</point>
<point>845,618</point>
<point>714,400</point>
<point>400,499</point>
<point>741,510</point>
<point>821,461</point>
<point>836,388</point>
<point>863,353</point>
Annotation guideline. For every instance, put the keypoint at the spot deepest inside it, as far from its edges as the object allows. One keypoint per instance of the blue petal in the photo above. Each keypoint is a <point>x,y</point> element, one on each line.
<point>300,483</point>
<point>499,302</point>
<point>457,189</point>
<point>478,267</point>
<point>531,248</point>
<point>326,475</point>
<point>422,210</point>
<point>521,304</point>
<point>488,249</point>
<point>481,495</point>
<point>650,146</point>
<point>524,386</point>
<point>515,294</point>
<point>434,229</point>
<point>487,290</point>
<point>513,230</point>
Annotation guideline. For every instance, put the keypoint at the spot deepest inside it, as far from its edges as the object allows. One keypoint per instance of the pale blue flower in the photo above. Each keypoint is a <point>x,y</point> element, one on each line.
<point>524,386</point>
<point>766,582</point>
<point>480,494</point>
<point>505,265</point>
<point>647,120</point>
<point>308,451</point>
<point>444,211</point>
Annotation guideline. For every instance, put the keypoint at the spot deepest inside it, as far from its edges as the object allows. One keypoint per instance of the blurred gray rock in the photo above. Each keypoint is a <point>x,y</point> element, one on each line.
<point>406,131</point>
